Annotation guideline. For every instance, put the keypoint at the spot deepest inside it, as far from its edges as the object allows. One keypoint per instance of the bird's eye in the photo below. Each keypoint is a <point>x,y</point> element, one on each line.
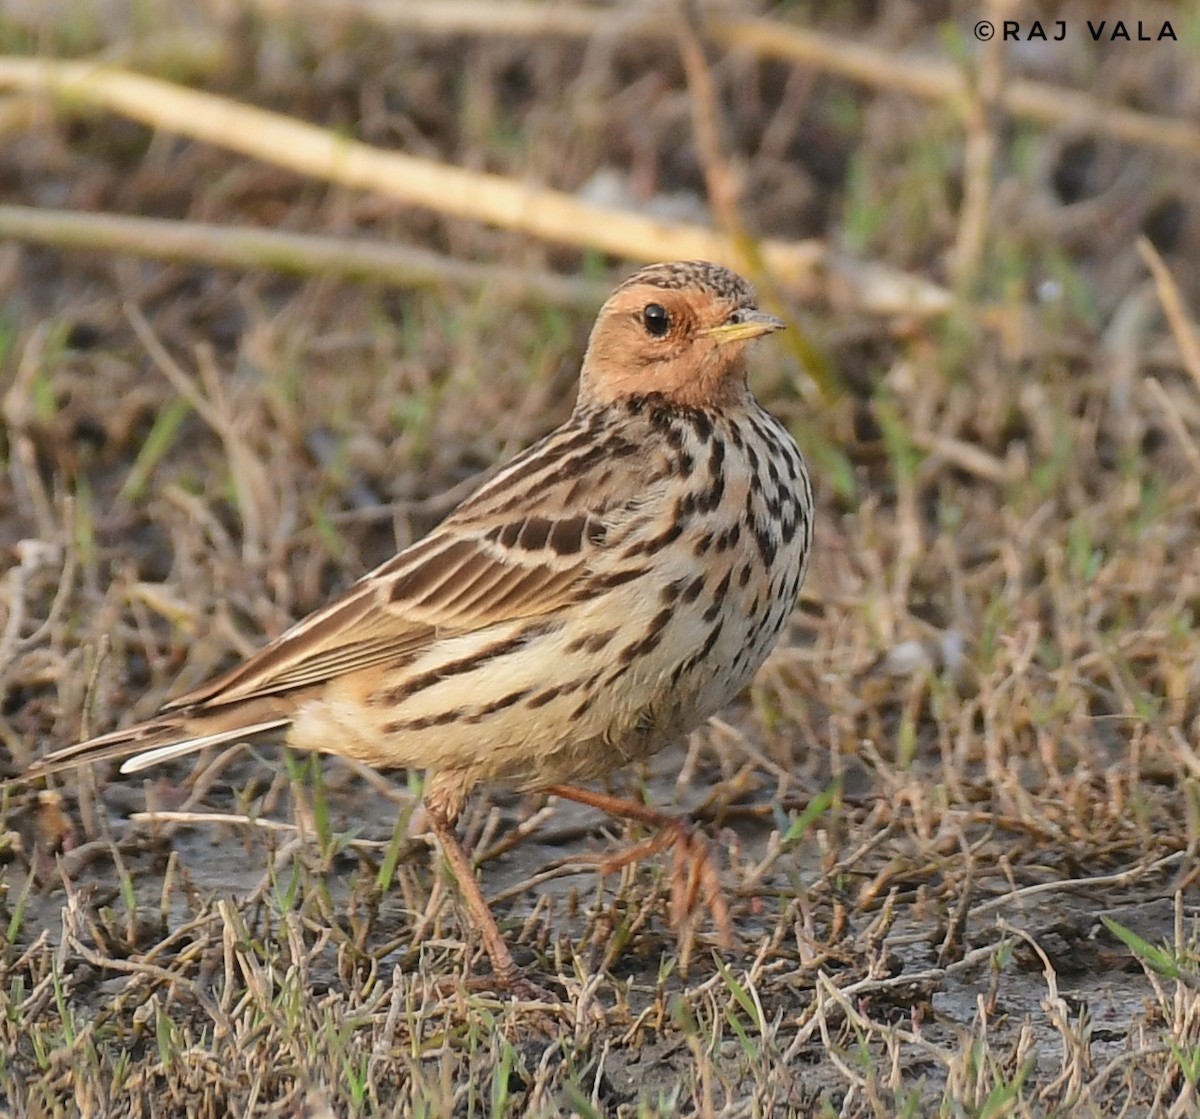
<point>655,319</point>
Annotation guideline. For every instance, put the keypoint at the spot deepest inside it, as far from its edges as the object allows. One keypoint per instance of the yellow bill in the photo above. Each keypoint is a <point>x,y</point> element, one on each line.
<point>745,325</point>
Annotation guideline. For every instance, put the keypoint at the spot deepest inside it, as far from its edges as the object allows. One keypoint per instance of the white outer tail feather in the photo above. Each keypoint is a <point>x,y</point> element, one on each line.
<point>189,745</point>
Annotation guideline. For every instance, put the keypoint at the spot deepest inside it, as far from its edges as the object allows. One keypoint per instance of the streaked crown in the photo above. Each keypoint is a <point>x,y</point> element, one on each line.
<point>676,330</point>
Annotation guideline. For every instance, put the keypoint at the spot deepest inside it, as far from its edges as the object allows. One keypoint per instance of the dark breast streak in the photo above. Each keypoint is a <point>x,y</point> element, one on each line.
<point>778,505</point>
<point>749,554</point>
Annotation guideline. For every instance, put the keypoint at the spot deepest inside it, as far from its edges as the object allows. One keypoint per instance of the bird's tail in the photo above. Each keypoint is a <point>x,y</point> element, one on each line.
<point>158,740</point>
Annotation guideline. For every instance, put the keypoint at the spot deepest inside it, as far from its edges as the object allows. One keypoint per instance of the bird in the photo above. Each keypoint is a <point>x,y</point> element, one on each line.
<point>602,595</point>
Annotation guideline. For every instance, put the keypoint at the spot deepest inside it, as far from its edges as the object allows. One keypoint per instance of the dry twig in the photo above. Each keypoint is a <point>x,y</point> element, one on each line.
<point>808,267</point>
<point>1172,303</point>
<point>929,79</point>
<point>244,247</point>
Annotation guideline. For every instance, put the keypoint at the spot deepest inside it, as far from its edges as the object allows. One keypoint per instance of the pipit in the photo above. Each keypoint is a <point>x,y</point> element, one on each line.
<point>607,591</point>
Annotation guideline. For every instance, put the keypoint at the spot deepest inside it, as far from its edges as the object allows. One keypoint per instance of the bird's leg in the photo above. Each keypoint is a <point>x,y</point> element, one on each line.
<point>445,796</point>
<point>503,965</point>
<point>693,873</point>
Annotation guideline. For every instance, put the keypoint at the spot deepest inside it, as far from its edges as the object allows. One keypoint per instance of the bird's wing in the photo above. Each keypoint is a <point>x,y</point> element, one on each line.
<point>523,546</point>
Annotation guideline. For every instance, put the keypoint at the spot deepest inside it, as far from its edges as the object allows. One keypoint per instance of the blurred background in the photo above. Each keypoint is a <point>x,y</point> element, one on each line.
<point>282,280</point>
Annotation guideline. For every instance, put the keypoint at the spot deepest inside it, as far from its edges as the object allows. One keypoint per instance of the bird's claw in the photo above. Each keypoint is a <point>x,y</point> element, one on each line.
<point>693,875</point>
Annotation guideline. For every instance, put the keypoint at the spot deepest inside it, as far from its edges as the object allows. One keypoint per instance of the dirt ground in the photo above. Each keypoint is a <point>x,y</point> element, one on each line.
<point>956,815</point>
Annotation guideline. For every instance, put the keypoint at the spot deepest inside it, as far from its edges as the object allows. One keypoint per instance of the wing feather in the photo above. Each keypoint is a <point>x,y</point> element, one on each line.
<point>345,636</point>
<point>517,549</point>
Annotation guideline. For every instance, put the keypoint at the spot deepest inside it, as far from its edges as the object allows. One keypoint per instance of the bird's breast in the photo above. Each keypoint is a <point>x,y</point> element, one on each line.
<point>728,550</point>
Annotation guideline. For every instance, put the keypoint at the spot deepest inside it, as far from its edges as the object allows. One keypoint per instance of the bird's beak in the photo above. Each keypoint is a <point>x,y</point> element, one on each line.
<point>744,325</point>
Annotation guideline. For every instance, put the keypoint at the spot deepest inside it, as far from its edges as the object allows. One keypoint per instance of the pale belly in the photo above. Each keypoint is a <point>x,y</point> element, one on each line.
<point>571,698</point>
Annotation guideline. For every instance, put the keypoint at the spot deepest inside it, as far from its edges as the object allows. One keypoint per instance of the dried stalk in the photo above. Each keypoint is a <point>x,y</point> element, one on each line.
<point>282,251</point>
<point>979,157</point>
<point>1174,308</point>
<point>723,193</point>
<point>807,267</point>
<point>930,79</point>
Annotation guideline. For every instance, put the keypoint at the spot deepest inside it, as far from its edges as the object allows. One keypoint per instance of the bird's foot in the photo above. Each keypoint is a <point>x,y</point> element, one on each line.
<point>694,875</point>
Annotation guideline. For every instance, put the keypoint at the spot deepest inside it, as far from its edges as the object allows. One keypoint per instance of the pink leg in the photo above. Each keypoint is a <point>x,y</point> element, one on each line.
<point>693,873</point>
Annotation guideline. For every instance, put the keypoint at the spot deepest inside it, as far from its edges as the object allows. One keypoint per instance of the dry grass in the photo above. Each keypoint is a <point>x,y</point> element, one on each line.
<point>958,811</point>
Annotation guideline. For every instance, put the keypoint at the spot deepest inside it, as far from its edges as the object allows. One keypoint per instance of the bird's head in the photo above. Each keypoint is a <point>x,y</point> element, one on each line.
<point>677,330</point>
